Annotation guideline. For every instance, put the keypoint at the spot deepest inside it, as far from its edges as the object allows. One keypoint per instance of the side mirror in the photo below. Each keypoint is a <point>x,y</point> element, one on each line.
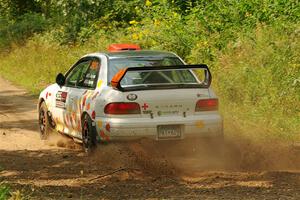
<point>60,79</point>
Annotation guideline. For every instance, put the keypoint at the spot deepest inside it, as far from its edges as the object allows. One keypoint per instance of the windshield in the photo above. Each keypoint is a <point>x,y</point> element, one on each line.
<point>117,64</point>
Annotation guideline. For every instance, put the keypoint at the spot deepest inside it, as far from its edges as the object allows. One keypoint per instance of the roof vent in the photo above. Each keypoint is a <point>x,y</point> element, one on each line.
<point>123,47</point>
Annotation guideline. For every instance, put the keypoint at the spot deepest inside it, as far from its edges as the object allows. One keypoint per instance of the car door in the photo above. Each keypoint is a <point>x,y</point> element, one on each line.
<point>60,112</point>
<point>80,94</point>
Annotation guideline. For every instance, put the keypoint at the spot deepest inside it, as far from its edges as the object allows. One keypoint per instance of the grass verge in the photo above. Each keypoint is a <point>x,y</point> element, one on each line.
<point>256,76</point>
<point>4,191</point>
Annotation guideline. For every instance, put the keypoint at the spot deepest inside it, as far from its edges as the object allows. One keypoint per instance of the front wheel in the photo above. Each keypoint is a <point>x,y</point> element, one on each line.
<point>44,124</point>
<point>89,141</point>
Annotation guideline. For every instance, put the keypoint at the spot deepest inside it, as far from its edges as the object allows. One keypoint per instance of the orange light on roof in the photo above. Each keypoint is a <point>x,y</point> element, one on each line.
<point>123,47</point>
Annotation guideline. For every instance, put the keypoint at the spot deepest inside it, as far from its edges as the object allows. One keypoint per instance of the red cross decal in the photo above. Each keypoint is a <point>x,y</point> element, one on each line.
<point>145,106</point>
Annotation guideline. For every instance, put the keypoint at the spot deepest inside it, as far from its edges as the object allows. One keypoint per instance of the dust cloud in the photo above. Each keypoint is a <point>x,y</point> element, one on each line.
<point>193,157</point>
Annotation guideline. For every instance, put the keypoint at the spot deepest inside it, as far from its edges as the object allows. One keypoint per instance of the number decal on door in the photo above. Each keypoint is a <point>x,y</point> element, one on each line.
<point>61,98</point>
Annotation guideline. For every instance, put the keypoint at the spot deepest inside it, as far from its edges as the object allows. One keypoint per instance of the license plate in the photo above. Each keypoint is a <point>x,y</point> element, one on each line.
<point>169,131</point>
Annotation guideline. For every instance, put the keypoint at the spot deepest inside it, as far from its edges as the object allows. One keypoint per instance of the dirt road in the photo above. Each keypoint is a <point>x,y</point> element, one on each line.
<point>144,169</point>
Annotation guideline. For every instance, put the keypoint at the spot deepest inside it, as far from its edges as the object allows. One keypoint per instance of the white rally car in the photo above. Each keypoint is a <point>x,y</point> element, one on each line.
<point>130,93</point>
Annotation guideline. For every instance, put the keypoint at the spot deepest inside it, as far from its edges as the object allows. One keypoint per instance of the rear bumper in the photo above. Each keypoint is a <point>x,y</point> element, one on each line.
<point>204,125</point>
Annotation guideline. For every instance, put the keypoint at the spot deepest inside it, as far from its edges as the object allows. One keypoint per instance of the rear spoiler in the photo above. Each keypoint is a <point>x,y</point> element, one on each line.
<point>116,80</point>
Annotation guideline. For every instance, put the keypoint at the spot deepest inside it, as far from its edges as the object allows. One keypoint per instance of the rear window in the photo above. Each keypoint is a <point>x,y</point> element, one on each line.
<point>159,77</point>
<point>117,64</point>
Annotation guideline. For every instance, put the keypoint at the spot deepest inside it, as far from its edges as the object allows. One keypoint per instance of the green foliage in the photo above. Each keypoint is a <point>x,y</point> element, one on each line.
<point>258,77</point>
<point>252,47</point>
<point>18,31</point>
<point>78,20</point>
<point>4,192</point>
<point>13,9</point>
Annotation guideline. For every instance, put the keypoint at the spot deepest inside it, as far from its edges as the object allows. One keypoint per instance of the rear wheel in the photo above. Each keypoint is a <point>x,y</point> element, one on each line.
<point>89,140</point>
<point>44,124</point>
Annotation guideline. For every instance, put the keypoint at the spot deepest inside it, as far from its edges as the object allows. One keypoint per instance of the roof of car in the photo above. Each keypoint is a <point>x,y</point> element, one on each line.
<point>139,53</point>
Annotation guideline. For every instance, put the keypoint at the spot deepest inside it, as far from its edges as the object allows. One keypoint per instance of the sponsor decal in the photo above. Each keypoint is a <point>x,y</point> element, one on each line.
<point>59,127</point>
<point>169,106</point>
<point>91,76</point>
<point>99,83</point>
<point>93,116</point>
<point>48,94</point>
<point>159,113</point>
<point>89,94</point>
<point>73,114</point>
<point>69,108</point>
<point>131,97</point>
<point>83,101</point>
<point>84,92</point>
<point>61,98</point>
<point>202,95</point>
<point>171,112</point>
<point>200,124</point>
<point>100,123</point>
<point>147,111</point>
<point>88,106</point>
<point>95,95</point>
<point>107,127</point>
<point>145,106</point>
<point>78,105</point>
<point>104,136</point>
<point>79,126</point>
<point>74,105</point>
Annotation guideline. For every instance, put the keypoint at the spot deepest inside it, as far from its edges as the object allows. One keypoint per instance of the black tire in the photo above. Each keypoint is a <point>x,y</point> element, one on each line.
<point>89,140</point>
<point>44,124</point>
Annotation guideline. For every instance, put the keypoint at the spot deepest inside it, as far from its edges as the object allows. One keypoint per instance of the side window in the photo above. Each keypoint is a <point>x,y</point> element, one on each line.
<point>77,74</point>
<point>91,75</point>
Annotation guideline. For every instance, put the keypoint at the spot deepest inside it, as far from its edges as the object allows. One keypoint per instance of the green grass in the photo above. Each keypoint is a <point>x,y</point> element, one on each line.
<point>258,81</point>
<point>4,192</point>
<point>255,76</point>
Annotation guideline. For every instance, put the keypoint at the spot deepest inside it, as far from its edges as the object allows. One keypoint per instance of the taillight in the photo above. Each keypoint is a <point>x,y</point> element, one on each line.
<point>207,105</point>
<point>122,108</point>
